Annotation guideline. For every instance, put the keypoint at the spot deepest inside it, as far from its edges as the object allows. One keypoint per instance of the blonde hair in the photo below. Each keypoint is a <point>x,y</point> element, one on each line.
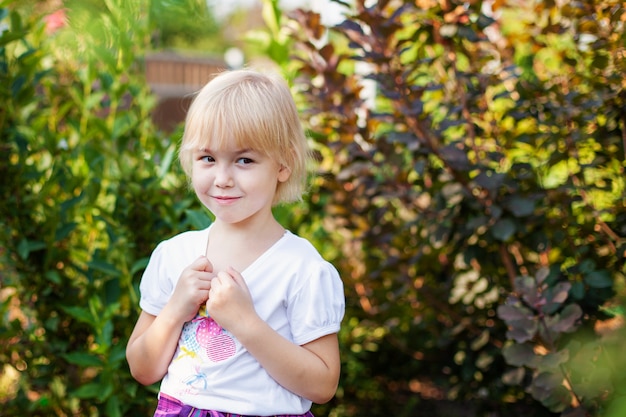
<point>256,111</point>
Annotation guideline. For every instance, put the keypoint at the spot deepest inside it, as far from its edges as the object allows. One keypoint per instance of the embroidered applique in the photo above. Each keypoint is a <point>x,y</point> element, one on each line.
<point>218,345</point>
<point>204,338</point>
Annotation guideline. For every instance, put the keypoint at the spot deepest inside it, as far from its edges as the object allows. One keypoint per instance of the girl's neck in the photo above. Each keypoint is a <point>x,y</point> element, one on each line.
<point>248,234</point>
<point>238,245</point>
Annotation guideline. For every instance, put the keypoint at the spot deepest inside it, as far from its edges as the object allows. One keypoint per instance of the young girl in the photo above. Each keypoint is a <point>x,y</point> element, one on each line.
<point>240,318</point>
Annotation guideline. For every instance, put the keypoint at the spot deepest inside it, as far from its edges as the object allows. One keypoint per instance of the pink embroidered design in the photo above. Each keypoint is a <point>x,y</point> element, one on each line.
<point>218,345</point>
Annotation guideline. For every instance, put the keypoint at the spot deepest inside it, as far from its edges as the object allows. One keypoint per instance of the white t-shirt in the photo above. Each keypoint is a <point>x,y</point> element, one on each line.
<point>297,292</point>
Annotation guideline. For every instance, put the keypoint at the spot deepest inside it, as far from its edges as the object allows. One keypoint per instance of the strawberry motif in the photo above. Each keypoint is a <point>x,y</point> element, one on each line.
<point>207,328</point>
<point>217,344</point>
<point>220,347</point>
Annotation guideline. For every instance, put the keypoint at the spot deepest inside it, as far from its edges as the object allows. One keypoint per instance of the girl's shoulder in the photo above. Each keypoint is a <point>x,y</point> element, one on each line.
<point>298,246</point>
<point>300,255</point>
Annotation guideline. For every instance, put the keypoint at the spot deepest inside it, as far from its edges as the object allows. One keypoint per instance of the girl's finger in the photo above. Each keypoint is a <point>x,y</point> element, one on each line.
<point>202,264</point>
<point>236,276</point>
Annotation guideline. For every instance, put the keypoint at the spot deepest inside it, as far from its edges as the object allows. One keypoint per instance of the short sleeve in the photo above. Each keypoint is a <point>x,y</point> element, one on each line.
<point>318,306</point>
<point>155,287</point>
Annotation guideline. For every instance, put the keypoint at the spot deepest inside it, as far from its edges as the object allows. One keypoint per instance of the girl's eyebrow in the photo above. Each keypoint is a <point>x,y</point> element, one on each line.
<point>246,150</point>
<point>236,152</point>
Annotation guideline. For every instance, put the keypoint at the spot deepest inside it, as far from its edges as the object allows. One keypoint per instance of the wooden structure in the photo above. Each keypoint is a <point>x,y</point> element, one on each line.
<point>174,79</point>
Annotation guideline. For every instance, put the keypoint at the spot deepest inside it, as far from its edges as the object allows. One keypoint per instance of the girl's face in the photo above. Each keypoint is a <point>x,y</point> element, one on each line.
<point>236,185</point>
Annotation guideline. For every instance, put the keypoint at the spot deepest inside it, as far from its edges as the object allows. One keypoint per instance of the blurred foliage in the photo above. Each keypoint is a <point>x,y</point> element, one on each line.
<point>465,150</point>
<point>470,188</point>
<point>185,24</point>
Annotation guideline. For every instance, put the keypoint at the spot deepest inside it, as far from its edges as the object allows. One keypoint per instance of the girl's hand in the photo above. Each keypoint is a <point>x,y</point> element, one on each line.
<point>230,303</point>
<point>192,289</point>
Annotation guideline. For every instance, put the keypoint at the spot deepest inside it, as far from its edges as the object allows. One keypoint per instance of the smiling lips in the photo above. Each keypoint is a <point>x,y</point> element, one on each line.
<point>224,199</point>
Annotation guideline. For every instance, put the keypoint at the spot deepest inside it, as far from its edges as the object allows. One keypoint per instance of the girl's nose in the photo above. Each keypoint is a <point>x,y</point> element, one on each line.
<point>223,176</point>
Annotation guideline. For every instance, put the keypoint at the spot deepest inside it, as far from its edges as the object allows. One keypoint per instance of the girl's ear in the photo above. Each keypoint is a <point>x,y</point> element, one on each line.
<point>284,173</point>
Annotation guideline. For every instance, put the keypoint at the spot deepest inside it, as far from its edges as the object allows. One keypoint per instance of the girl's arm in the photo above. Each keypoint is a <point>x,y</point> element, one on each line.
<point>154,339</point>
<point>311,370</point>
<point>151,347</point>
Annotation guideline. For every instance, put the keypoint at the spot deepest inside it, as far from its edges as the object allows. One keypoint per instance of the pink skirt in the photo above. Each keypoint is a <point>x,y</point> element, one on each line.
<point>170,407</point>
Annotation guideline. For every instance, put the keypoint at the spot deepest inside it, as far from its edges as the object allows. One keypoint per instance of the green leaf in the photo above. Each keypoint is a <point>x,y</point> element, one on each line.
<point>117,355</point>
<point>518,354</point>
<point>81,314</point>
<point>121,126</point>
<point>82,359</point>
<point>53,276</point>
<point>16,21</point>
<point>271,15</point>
<point>112,290</point>
<point>93,100</point>
<point>105,267</point>
<point>551,361</point>
<point>167,161</point>
<point>113,408</point>
<point>18,83</point>
<point>9,36</point>
<point>25,247</point>
<point>105,336</point>
<point>64,229</point>
<point>90,390</point>
<point>599,279</point>
<point>586,266</point>
<point>503,229</point>
<point>578,290</point>
<point>67,204</point>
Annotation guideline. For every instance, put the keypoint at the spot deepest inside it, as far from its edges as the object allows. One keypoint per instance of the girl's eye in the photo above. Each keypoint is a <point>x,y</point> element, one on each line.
<point>207,158</point>
<point>244,161</point>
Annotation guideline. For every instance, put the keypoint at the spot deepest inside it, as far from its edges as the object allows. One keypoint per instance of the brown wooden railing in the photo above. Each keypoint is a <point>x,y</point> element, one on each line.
<point>174,79</point>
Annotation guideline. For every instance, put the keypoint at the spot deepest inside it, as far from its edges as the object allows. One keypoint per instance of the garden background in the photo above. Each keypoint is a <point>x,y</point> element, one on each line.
<point>469,187</point>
